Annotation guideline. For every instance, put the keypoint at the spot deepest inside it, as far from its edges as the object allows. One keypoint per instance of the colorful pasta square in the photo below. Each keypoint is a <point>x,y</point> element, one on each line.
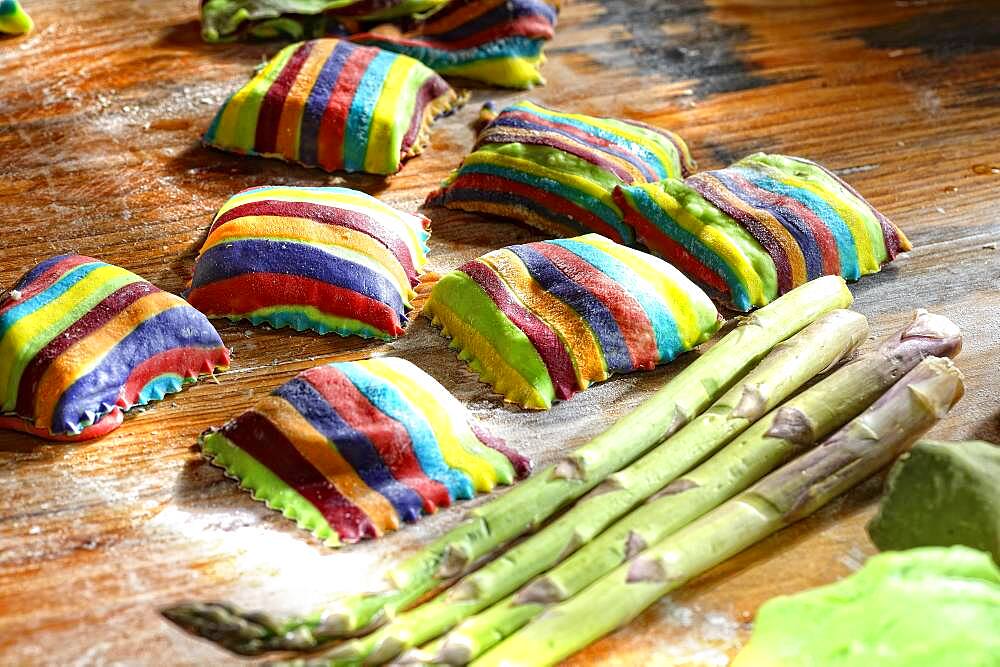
<point>351,450</point>
<point>82,342</point>
<point>558,171</point>
<point>331,260</point>
<point>226,20</point>
<point>761,227</point>
<point>543,321</point>
<point>335,105</point>
<point>497,42</point>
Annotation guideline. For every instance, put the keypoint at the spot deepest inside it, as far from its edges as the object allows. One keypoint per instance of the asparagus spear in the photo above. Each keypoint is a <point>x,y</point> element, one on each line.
<point>790,365</point>
<point>926,335</point>
<point>525,506</point>
<point>791,493</point>
<point>475,635</point>
<point>768,443</point>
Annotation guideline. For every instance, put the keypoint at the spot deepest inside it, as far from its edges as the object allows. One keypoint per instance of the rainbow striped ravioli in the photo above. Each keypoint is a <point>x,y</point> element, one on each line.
<point>351,450</point>
<point>332,104</point>
<point>761,227</point>
<point>543,321</point>
<point>498,42</point>
<point>558,171</point>
<point>81,342</point>
<point>332,260</point>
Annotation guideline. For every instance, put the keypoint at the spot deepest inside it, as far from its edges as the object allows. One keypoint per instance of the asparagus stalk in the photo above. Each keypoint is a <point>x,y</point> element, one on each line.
<point>492,625</point>
<point>769,442</point>
<point>926,335</point>
<point>531,502</point>
<point>787,495</point>
<point>790,365</point>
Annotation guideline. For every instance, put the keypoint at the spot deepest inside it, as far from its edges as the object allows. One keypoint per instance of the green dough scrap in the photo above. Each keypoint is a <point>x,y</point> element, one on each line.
<point>941,494</point>
<point>929,607</point>
<point>13,19</point>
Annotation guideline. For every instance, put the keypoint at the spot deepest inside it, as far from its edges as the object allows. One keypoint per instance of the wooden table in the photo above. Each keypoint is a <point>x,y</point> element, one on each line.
<point>100,113</point>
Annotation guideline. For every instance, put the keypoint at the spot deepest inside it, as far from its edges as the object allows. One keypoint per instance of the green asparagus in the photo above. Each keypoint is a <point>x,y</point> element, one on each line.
<point>796,490</point>
<point>854,387</point>
<point>790,365</point>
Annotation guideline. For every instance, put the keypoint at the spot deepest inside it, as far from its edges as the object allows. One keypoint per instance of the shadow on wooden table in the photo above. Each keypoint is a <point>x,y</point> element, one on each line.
<point>210,163</point>
<point>187,36</point>
<point>13,442</point>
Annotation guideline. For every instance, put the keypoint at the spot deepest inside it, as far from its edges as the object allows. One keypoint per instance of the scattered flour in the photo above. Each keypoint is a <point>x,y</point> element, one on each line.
<point>680,635</point>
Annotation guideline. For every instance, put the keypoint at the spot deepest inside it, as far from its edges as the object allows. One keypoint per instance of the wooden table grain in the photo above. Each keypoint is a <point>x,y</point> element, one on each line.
<point>100,113</point>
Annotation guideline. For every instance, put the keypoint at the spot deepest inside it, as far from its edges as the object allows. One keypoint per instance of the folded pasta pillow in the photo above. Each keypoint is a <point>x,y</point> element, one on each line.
<point>498,42</point>
<point>226,20</point>
<point>558,171</point>
<point>332,260</point>
<point>762,227</point>
<point>335,105</point>
<point>351,450</point>
<point>81,342</point>
<point>542,321</point>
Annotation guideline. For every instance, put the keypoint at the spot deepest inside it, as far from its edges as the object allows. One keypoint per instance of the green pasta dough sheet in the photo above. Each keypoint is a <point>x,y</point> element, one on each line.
<point>930,607</point>
<point>940,494</point>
